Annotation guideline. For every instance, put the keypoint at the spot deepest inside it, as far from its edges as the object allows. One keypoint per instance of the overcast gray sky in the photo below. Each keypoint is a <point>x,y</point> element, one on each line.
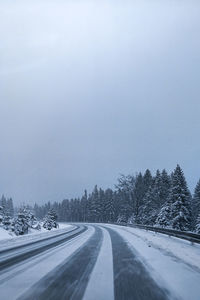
<point>91,89</point>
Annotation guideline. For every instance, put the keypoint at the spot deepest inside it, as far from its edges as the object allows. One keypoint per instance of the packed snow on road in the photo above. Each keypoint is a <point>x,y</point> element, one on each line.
<point>100,261</point>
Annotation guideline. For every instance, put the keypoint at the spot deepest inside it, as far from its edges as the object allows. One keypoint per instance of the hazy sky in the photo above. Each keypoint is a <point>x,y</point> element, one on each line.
<point>91,89</point>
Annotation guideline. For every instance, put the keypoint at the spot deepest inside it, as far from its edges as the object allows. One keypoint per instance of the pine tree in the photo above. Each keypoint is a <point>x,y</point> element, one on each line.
<point>164,218</point>
<point>7,222</point>
<point>50,220</point>
<point>146,198</point>
<point>196,204</point>
<point>116,205</point>
<point>126,197</point>
<point>125,208</point>
<point>10,208</point>
<point>21,223</point>
<point>3,202</point>
<point>147,180</point>
<point>148,209</point>
<point>181,202</point>
<point>166,186</point>
<point>1,214</point>
<point>84,206</point>
<point>197,225</point>
<point>152,201</point>
<point>94,205</point>
<point>139,193</point>
<point>101,204</point>
<point>108,206</point>
<point>31,219</point>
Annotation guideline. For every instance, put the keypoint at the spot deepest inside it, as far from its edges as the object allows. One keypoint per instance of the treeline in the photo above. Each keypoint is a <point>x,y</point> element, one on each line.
<point>161,200</point>
<point>6,206</point>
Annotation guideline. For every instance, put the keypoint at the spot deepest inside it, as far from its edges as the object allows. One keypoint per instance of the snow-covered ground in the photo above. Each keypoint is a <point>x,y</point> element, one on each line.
<point>5,234</point>
<point>173,264</point>
<point>8,239</point>
<point>175,247</point>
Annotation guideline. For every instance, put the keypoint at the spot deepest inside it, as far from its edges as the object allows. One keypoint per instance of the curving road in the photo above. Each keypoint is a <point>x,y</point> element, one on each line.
<point>89,262</point>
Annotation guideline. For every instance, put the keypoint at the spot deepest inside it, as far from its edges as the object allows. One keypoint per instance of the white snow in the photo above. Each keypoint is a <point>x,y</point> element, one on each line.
<point>179,248</point>
<point>4,234</point>
<point>7,240</point>
<point>101,280</point>
<point>173,263</point>
<point>168,260</point>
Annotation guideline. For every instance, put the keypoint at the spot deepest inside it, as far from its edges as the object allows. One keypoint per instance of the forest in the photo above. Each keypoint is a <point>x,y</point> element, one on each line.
<point>162,200</point>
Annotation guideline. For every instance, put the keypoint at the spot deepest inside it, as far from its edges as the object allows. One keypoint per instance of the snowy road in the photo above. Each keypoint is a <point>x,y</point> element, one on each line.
<point>98,262</point>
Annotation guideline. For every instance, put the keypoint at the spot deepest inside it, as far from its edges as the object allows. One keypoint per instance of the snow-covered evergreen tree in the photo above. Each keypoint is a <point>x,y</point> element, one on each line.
<point>197,225</point>
<point>147,180</point>
<point>180,201</point>
<point>166,186</point>
<point>139,193</point>
<point>7,222</point>
<point>146,190</point>
<point>94,205</point>
<point>152,201</point>
<point>126,199</point>
<point>148,210</point>
<point>3,202</point>
<point>164,218</point>
<point>21,223</point>
<point>101,205</point>
<point>9,207</point>
<point>31,219</point>
<point>109,206</point>
<point>84,206</point>
<point>50,220</point>
<point>196,205</point>
<point>1,214</point>
<point>6,211</point>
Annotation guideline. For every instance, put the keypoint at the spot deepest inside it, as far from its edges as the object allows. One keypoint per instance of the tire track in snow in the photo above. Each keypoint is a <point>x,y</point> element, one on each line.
<point>28,264</point>
<point>21,277</point>
<point>101,285</point>
<point>26,252</point>
<point>131,279</point>
<point>69,280</point>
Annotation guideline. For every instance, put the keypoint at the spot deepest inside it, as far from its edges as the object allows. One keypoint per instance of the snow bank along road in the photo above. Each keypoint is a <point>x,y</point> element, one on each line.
<point>100,262</point>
